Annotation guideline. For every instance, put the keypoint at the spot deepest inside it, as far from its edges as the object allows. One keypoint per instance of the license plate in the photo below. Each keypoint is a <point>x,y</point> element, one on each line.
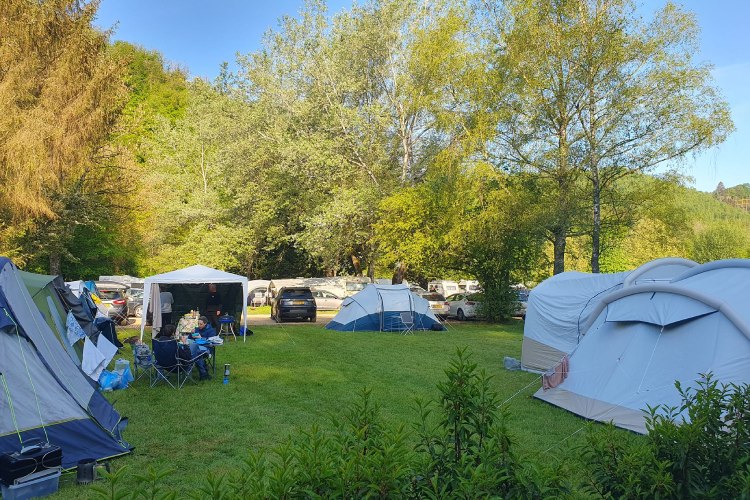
<point>436,307</point>
<point>298,302</point>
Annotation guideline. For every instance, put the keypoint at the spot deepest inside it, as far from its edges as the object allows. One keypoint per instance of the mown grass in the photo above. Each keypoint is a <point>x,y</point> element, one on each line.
<point>290,376</point>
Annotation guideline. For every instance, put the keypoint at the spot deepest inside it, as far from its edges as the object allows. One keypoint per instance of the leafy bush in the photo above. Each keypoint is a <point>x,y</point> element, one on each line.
<point>700,449</point>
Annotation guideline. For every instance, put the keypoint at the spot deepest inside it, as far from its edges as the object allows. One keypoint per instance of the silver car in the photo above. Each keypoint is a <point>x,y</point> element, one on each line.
<point>326,301</point>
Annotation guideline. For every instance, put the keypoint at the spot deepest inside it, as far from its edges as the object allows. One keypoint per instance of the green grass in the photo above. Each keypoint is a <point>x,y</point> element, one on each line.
<point>264,310</point>
<point>289,376</point>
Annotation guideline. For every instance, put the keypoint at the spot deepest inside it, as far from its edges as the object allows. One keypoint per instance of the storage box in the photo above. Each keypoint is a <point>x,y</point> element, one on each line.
<point>39,484</point>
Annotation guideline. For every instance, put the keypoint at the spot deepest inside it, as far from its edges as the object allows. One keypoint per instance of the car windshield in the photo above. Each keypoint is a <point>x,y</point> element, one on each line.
<point>296,294</point>
<point>355,287</point>
<point>109,294</point>
<point>434,297</point>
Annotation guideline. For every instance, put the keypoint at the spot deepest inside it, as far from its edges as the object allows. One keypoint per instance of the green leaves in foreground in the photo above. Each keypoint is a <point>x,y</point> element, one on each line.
<point>464,450</point>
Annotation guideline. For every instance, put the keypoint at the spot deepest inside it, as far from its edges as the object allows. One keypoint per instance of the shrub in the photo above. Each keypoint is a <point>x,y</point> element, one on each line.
<point>700,449</point>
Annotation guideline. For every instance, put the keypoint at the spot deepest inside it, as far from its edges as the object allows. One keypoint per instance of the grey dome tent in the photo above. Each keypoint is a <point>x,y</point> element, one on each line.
<point>642,338</point>
<point>45,395</point>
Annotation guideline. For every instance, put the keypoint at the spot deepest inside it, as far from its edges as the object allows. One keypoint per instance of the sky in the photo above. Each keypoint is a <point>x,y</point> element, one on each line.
<point>200,35</point>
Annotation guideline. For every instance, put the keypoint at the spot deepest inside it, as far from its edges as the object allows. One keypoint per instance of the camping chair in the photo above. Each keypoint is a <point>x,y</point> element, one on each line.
<point>407,319</point>
<point>165,361</point>
<point>168,362</point>
<point>143,361</point>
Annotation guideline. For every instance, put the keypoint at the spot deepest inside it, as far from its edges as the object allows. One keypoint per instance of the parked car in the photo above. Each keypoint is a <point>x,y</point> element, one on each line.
<point>294,303</point>
<point>438,304</point>
<point>463,306</point>
<point>134,298</point>
<point>112,295</point>
<point>327,301</point>
<point>523,302</point>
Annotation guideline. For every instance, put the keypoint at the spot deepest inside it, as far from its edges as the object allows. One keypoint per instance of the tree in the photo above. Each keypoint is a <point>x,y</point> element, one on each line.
<point>60,95</point>
<point>593,91</point>
<point>527,109</point>
<point>644,100</point>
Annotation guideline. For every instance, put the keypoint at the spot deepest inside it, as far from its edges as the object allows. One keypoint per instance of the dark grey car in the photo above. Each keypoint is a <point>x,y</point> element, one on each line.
<point>294,303</point>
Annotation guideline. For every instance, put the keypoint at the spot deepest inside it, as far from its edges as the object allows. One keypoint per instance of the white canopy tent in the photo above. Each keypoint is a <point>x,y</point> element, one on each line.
<point>198,275</point>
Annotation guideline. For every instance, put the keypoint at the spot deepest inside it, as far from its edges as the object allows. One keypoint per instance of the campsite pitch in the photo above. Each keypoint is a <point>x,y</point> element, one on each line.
<point>290,376</point>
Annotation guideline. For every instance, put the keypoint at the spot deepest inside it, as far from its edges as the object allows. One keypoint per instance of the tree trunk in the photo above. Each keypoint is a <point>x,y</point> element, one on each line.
<point>357,265</point>
<point>398,275</point>
<point>596,230</point>
<point>54,263</point>
<point>559,244</point>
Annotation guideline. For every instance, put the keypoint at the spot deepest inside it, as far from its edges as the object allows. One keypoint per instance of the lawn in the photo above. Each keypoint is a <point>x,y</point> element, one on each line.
<point>292,375</point>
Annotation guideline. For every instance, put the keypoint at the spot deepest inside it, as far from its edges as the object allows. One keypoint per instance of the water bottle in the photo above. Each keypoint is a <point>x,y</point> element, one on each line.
<point>226,373</point>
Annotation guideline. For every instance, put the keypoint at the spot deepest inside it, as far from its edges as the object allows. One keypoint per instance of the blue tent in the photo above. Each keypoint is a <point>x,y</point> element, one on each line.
<point>45,395</point>
<point>380,308</point>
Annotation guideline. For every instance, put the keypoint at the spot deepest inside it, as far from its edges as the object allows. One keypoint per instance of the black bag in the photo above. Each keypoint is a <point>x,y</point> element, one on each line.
<point>32,458</point>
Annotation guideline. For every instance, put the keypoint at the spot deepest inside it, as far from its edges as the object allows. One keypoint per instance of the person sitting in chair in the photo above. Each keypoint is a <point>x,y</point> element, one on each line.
<point>168,332</point>
<point>205,330</point>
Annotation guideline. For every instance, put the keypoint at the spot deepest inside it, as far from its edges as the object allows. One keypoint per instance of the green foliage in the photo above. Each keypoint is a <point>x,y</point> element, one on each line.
<point>698,450</point>
<point>463,450</point>
<point>722,240</point>
<point>468,449</point>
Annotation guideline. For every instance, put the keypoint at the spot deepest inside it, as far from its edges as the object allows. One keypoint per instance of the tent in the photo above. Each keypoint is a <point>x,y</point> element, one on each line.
<point>45,395</point>
<point>260,287</point>
<point>379,308</point>
<point>189,287</point>
<point>42,289</point>
<point>559,306</point>
<point>642,338</point>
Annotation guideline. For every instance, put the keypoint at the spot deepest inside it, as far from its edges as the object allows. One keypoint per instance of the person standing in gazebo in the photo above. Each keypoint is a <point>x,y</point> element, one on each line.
<point>213,305</point>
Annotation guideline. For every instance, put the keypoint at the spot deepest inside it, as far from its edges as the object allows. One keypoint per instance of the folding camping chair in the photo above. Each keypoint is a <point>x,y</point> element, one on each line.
<point>168,362</point>
<point>407,320</point>
<point>143,361</point>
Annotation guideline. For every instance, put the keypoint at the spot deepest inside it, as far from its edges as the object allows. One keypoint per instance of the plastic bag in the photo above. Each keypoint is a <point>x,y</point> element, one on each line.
<point>125,377</point>
<point>108,381</point>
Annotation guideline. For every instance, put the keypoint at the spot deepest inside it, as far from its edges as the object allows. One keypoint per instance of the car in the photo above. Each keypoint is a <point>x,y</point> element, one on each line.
<point>463,306</point>
<point>327,301</point>
<point>134,298</point>
<point>521,304</point>
<point>112,295</point>
<point>294,303</point>
<point>438,304</point>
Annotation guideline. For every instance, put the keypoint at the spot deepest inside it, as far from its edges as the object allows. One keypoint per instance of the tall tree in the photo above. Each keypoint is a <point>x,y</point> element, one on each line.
<point>60,94</point>
<point>529,100</point>
<point>644,100</point>
<point>595,92</point>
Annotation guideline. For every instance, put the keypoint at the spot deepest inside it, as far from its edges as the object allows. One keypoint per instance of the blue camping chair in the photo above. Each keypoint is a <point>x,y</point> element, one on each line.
<point>168,362</point>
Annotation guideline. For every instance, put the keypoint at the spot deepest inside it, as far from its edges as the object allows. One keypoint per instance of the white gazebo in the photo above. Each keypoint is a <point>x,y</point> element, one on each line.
<point>189,276</point>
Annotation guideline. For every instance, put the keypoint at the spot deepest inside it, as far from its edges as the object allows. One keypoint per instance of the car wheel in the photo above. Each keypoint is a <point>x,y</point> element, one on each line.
<point>138,311</point>
<point>279,319</point>
<point>460,315</point>
<point>313,319</point>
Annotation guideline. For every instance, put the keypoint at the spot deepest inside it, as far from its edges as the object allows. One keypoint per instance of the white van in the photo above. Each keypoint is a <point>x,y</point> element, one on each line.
<point>443,287</point>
